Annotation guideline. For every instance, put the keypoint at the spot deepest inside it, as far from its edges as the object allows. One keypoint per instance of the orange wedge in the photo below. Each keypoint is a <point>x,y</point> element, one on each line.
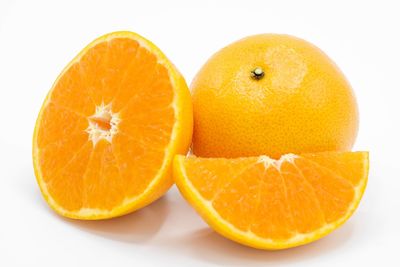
<point>109,128</point>
<point>274,204</point>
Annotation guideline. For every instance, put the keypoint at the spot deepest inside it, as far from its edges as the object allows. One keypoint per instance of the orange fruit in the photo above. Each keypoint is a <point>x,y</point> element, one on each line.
<point>271,94</point>
<point>274,204</point>
<point>109,128</point>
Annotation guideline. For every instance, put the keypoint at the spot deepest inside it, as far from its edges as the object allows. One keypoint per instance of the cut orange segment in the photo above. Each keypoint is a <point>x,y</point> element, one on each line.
<point>109,128</point>
<point>274,204</point>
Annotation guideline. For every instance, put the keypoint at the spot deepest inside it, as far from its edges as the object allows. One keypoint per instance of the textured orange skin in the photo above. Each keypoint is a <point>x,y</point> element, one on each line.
<point>302,104</point>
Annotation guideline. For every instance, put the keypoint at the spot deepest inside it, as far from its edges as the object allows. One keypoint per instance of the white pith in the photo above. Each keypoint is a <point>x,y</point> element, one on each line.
<point>276,163</point>
<point>96,133</point>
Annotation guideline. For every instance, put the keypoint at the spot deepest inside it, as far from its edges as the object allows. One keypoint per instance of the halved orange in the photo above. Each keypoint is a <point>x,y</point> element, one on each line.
<point>109,128</point>
<point>274,204</point>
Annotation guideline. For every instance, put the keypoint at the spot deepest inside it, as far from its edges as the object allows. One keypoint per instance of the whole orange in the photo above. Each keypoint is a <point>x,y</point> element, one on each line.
<point>272,94</point>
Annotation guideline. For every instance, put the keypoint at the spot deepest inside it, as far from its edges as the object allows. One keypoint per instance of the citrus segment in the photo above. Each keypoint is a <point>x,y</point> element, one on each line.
<point>274,204</point>
<point>109,128</point>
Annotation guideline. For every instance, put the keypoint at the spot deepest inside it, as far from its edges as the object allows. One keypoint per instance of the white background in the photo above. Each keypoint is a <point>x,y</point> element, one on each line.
<point>38,38</point>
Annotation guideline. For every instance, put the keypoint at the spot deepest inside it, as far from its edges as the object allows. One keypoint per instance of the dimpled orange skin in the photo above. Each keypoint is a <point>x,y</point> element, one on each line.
<point>301,104</point>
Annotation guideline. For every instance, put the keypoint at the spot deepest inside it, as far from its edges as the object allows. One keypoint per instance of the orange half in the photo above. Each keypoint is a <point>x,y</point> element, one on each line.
<point>274,204</point>
<point>109,128</point>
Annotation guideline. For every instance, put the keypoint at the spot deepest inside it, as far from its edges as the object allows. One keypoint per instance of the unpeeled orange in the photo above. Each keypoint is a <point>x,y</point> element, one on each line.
<point>109,128</point>
<point>271,94</point>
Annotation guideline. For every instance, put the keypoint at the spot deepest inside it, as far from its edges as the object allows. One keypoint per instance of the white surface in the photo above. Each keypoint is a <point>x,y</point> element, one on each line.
<point>38,38</point>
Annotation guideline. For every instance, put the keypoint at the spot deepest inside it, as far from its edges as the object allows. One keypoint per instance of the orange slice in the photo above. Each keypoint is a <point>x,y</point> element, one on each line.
<point>109,128</point>
<point>274,204</point>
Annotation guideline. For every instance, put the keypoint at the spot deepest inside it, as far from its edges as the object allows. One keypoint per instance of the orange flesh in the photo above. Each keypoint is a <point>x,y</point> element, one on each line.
<point>278,200</point>
<point>126,76</point>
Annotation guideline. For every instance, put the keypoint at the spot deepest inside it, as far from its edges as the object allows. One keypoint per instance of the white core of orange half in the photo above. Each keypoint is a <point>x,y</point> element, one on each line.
<point>103,124</point>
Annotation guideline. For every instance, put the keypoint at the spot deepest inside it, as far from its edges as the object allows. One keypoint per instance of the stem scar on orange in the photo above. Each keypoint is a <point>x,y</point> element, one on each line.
<point>271,94</point>
<point>109,128</point>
